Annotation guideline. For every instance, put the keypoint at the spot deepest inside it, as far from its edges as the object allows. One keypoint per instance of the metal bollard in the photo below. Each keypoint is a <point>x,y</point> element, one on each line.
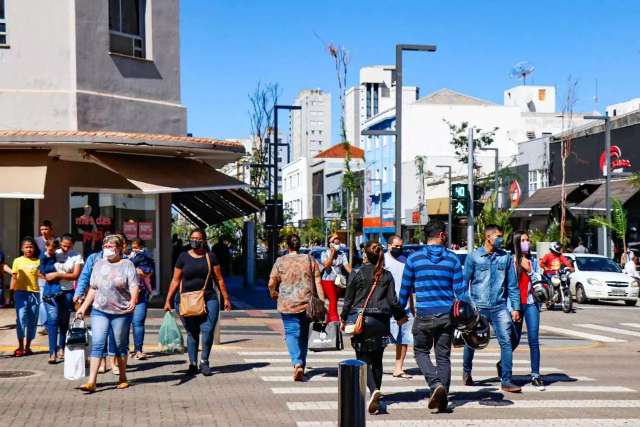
<point>352,386</point>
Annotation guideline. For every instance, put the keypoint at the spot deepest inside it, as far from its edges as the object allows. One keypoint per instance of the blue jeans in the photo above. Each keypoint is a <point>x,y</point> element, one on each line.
<point>531,314</point>
<point>500,319</point>
<point>42,311</point>
<point>101,324</point>
<point>139,317</point>
<point>58,313</point>
<point>27,306</point>
<point>296,335</point>
<point>202,325</point>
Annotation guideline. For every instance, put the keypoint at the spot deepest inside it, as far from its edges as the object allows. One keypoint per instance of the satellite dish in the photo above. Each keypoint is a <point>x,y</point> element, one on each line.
<point>522,70</point>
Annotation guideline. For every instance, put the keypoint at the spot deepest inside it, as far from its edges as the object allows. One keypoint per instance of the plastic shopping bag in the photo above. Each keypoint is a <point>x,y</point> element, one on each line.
<point>74,363</point>
<point>170,336</point>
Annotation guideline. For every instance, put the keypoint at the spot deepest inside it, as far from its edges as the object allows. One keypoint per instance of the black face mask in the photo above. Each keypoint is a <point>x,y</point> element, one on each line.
<point>396,252</point>
<point>196,244</point>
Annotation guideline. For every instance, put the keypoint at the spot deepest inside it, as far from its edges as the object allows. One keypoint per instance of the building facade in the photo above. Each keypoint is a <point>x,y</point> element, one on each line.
<point>311,125</point>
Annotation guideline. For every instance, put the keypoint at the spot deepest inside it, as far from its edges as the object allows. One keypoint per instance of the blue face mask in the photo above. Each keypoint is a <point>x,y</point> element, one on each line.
<point>497,244</point>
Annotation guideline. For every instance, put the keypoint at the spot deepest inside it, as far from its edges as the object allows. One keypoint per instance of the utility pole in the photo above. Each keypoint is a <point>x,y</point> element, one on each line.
<point>470,218</point>
<point>496,187</point>
<point>450,219</point>
<point>607,174</point>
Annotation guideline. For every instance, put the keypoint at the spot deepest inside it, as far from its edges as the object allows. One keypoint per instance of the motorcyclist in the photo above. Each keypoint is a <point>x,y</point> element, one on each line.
<point>554,260</point>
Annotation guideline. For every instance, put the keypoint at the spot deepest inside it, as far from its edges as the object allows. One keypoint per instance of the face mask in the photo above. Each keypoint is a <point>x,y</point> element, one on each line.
<point>196,244</point>
<point>524,246</point>
<point>108,252</point>
<point>396,252</point>
<point>497,244</point>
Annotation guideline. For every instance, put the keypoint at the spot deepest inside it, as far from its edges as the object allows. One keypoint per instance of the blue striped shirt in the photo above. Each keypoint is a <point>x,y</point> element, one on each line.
<point>434,274</point>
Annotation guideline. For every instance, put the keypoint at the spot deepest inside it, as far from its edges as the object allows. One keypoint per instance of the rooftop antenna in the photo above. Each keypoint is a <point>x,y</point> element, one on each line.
<point>522,70</point>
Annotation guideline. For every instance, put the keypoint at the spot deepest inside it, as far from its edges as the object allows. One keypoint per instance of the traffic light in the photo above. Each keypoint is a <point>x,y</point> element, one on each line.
<point>459,200</point>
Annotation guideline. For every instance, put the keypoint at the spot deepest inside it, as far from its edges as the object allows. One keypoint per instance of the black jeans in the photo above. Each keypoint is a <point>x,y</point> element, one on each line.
<point>437,333</point>
<point>370,345</point>
<point>373,359</point>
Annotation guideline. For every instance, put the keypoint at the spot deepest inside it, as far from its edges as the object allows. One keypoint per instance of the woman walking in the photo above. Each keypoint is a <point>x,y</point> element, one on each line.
<point>335,263</point>
<point>292,281</point>
<point>24,284</point>
<point>113,294</point>
<point>371,287</point>
<point>197,270</point>
<point>529,308</point>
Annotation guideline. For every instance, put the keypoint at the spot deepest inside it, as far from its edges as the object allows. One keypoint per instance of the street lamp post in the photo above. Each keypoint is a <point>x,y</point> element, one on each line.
<point>450,219</point>
<point>470,218</point>
<point>607,174</point>
<point>398,187</point>
<point>380,235</point>
<point>495,174</point>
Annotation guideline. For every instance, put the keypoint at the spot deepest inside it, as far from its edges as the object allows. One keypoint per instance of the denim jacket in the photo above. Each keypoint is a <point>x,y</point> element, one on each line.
<point>493,278</point>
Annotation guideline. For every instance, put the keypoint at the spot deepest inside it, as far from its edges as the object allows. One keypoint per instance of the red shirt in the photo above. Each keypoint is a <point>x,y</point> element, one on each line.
<point>551,263</point>
<point>523,283</point>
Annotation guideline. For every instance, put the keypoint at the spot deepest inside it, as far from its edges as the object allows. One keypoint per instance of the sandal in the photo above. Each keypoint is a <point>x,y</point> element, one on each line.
<point>122,385</point>
<point>28,352</point>
<point>52,360</point>
<point>403,375</point>
<point>88,387</point>
<point>298,373</point>
<point>18,353</point>
<point>140,356</point>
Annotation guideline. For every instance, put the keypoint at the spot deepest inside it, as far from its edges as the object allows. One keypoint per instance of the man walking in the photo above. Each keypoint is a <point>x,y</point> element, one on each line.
<point>394,262</point>
<point>434,274</point>
<point>491,272</point>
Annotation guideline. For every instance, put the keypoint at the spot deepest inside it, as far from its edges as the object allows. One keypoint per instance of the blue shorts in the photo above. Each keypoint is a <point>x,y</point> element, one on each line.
<point>402,334</point>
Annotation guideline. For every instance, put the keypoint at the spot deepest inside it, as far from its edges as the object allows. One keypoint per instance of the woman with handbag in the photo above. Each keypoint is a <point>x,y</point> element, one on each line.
<point>369,303</point>
<point>295,283</point>
<point>113,292</point>
<point>195,274</point>
<point>335,263</point>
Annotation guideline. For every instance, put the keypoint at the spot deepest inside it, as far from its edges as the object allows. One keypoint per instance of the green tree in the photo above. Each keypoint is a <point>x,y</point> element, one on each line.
<point>460,140</point>
<point>619,222</point>
<point>491,215</point>
<point>550,234</point>
<point>313,231</point>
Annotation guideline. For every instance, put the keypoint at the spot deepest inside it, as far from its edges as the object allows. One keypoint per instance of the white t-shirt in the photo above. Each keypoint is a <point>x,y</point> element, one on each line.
<point>66,263</point>
<point>631,270</point>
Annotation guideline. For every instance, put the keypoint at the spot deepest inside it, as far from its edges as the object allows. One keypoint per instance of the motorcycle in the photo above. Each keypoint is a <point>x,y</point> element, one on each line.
<point>559,283</point>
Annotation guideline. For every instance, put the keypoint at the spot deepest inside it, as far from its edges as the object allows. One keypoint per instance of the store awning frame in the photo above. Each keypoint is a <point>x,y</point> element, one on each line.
<point>621,189</point>
<point>23,174</point>
<point>545,199</point>
<point>206,208</point>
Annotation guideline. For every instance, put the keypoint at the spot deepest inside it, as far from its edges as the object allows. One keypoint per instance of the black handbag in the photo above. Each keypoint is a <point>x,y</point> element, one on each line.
<point>325,337</point>
<point>78,334</point>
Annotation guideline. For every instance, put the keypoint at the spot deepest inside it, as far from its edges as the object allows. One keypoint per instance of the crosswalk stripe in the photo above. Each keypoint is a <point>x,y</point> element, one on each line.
<point>578,334</point>
<point>388,367</point>
<point>538,422</point>
<point>338,359</point>
<point>552,388</point>
<point>608,329</point>
<point>474,404</point>
<point>390,378</point>
<point>347,352</point>
<point>632,325</point>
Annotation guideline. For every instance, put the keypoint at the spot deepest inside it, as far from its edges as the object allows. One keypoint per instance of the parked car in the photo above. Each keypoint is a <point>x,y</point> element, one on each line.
<point>600,278</point>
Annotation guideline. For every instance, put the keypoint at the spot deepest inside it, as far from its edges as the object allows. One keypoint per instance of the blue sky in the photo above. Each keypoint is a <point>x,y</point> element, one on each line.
<point>228,46</point>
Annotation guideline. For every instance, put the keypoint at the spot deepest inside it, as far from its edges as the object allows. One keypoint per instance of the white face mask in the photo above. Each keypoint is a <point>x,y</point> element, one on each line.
<point>108,252</point>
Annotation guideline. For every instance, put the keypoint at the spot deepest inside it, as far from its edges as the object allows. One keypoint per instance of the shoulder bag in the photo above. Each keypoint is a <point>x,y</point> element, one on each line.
<point>192,303</point>
<point>316,311</point>
<point>358,327</point>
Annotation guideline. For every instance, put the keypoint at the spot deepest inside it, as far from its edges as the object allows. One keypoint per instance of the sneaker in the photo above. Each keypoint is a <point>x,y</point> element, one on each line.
<point>438,395</point>
<point>374,402</point>
<point>511,387</point>
<point>538,383</point>
<point>193,369</point>
<point>499,369</point>
<point>205,369</point>
<point>466,379</point>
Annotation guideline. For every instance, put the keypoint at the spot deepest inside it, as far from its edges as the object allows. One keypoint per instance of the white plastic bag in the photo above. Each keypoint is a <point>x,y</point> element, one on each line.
<point>74,363</point>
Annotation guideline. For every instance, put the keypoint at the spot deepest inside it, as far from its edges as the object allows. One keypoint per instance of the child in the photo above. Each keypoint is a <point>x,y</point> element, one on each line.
<point>50,296</point>
<point>144,268</point>
<point>24,284</point>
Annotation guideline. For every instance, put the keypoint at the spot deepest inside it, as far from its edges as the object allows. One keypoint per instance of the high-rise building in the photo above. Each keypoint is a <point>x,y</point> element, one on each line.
<point>311,126</point>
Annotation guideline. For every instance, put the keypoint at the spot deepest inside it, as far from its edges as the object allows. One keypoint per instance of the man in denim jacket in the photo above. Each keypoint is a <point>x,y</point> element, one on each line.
<point>491,273</point>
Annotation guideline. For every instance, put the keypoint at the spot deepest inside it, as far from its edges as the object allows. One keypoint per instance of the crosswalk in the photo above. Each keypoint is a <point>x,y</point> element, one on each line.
<point>616,333</point>
<point>315,401</point>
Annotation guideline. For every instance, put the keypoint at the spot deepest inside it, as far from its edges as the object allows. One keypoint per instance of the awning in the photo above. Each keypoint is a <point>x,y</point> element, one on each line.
<point>438,206</point>
<point>204,208</point>
<point>23,174</point>
<point>155,175</point>
<point>541,202</point>
<point>622,190</point>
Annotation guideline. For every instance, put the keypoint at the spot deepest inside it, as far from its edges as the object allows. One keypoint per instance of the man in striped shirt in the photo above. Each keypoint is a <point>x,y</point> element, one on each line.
<point>434,274</point>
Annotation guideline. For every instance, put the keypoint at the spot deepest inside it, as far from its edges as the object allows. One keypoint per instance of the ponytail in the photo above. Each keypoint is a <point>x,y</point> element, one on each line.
<point>375,255</point>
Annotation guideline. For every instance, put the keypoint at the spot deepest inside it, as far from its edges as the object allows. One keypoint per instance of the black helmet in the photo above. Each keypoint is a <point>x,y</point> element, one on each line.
<point>555,248</point>
<point>463,315</point>
<point>458,341</point>
<point>539,289</point>
<point>478,337</point>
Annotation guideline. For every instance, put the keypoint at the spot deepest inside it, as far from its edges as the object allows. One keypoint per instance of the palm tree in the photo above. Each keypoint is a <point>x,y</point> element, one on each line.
<point>618,224</point>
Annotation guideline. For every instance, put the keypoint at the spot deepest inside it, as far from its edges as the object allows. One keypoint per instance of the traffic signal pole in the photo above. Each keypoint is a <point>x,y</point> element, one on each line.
<point>470,218</point>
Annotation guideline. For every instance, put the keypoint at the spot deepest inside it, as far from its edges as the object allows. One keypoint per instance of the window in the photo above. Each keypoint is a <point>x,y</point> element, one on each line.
<point>126,26</point>
<point>538,178</point>
<point>375,98</point>
<point>3,24</point>
<point>368,96</point>
<point>384,175</point>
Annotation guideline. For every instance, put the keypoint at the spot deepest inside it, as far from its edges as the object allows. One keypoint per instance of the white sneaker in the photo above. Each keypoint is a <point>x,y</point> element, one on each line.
<point>374,402</point>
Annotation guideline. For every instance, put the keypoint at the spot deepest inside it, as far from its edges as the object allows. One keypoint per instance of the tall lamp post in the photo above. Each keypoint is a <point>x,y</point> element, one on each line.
<point>607,174</point>
<point>495,173</point>
<point>450,219</point>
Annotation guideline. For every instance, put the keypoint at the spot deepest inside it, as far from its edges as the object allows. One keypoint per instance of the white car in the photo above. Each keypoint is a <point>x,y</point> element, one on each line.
<point>599,278</point>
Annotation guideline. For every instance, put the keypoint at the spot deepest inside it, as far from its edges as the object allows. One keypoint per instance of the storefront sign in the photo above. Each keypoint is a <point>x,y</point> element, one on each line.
<point>130,229</point>
<point>145,230</point>
<point>618,164</point>
<point>515,194</point>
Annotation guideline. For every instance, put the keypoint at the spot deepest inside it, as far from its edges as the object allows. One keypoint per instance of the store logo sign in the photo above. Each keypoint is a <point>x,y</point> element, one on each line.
<point>618,164</point>
<point>515,193</point>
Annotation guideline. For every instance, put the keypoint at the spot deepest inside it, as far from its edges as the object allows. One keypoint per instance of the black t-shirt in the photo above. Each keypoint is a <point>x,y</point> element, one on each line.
<point>194,271</point>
